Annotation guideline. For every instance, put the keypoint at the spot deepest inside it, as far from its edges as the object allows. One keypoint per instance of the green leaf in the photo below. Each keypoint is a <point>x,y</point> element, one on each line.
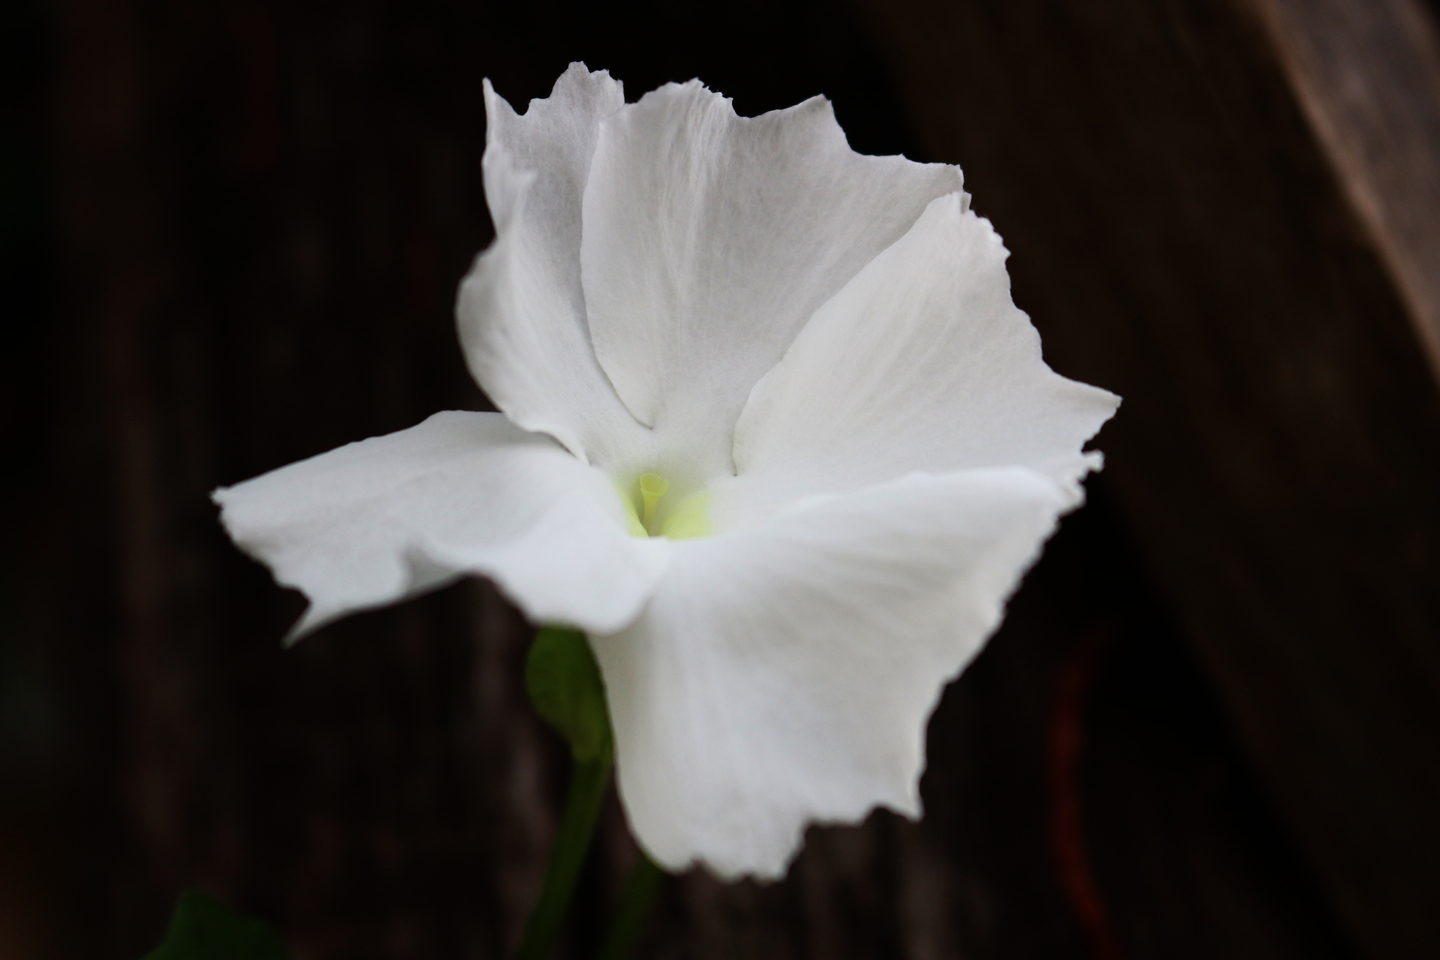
<point>566,689</point>
<point>203,928</point>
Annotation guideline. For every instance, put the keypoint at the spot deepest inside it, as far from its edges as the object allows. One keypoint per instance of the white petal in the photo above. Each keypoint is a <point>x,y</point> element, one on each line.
<point>784,674</point>
<point>391,517</point>
<point>711,238</point>
<point>521,310</point>
<point>922,362</point>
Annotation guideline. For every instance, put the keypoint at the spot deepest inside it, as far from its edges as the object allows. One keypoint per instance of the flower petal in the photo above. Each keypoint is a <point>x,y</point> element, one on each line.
<point>711,238</point>
<point>783,674</point>
<point>521,310</point>
<point>394,516</point>
<point>922,362</point>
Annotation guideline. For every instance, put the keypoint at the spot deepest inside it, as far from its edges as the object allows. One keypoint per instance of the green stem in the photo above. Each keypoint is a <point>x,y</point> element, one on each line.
<point>588,780</point>
<point>640,890</point>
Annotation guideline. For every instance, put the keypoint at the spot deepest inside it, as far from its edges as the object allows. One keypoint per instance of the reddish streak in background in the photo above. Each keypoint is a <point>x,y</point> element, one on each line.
<point>1067,829</point>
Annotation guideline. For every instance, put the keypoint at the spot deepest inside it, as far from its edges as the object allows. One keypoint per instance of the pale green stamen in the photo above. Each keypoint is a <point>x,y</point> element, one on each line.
<point>652,488</point>
<point>688,519</point>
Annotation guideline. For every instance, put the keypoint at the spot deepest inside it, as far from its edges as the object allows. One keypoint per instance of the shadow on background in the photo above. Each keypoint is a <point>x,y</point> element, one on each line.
<point>233,233</point>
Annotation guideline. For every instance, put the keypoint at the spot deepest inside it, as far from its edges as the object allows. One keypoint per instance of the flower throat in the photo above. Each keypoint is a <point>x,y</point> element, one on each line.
<point>647,515</point>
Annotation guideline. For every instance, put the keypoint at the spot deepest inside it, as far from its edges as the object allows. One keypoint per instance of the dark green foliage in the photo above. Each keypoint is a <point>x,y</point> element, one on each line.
<point>566,690</point>
<point>203,928</point>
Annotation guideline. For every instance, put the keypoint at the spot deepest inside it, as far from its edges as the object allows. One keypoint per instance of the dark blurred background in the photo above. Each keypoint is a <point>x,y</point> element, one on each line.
<point>232,233</point>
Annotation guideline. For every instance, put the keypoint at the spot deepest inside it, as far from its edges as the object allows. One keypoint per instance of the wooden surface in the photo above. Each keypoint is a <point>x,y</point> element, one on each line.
<point>256,216</point>
<point>1226,213</point>
<point>1368,78</point>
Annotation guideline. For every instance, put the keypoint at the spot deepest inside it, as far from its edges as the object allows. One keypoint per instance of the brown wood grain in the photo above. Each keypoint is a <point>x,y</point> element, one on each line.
<point>1368,77</point>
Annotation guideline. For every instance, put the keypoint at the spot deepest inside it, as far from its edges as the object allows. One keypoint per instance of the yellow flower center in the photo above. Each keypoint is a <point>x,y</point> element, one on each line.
<point>647,516</point>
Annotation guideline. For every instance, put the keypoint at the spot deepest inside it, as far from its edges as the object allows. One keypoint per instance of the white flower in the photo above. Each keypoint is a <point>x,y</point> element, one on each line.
<point>802,368</point>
